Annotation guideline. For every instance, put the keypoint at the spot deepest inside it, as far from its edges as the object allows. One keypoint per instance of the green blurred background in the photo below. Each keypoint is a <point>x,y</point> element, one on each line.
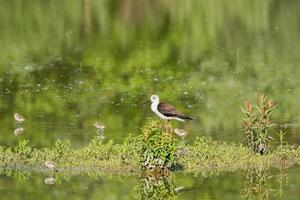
<point>66,64</point>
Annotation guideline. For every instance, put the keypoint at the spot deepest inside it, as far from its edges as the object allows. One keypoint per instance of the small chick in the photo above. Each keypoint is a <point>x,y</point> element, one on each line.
<point>100,128</point>
<point>262,148</point>
<point>179,189</point>
<point>50,164</point>
<point>19,118</point>
<point>99,125</point>
<point>180,132</point>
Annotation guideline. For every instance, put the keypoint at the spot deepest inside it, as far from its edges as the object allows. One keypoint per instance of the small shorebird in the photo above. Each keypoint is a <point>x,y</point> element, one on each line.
<point>50,164</point>
<point>19,118</point>
<point>262,149</point>
<point>99,126</point>
<point>180,132</point>
<point>166,111</point>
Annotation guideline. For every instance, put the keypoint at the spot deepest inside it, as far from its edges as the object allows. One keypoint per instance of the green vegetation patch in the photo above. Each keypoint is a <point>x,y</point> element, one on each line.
<point>158,148</point>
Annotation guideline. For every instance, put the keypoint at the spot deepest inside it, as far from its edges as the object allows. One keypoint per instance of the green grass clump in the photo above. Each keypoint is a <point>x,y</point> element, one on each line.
<point>154,149</point>
<point>158,148</point>
<point>207,156</point>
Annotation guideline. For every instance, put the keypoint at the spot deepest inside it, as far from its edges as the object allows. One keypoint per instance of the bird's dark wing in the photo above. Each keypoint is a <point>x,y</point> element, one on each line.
<point>168,110</point>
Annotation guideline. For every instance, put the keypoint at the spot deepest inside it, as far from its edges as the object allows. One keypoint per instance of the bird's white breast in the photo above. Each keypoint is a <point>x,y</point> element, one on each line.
<point>154,109</point>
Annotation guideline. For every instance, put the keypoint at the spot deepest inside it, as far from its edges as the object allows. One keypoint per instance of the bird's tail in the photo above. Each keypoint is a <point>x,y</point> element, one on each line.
<point>187,117</point>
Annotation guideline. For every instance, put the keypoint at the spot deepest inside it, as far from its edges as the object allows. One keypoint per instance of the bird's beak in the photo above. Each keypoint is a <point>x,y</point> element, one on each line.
<point>146,102</point>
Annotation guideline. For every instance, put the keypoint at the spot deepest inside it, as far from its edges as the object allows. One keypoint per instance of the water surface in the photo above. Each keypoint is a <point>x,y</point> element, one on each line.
<point>65,66</point>
<point>255,184</point>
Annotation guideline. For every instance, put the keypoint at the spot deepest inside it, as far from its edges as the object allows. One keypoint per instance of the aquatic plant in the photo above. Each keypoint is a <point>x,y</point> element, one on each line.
<point>255,184</point>
<point>256,124</point>
<point>156,187</point>
<point>153,152</point>
<point>22,150</point>
<point>158,148</point>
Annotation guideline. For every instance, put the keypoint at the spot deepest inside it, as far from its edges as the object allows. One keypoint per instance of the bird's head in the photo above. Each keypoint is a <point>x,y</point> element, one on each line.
<point>154,98</point>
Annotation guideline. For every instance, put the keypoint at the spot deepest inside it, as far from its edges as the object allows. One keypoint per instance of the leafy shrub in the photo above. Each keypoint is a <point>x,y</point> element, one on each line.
<point>257,123</point>
<point>23,149</point>
<point>157,148</point>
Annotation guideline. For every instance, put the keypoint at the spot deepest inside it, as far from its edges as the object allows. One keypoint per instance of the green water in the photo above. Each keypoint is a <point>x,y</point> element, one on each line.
<point>240,185</point>
<point>66,64</point>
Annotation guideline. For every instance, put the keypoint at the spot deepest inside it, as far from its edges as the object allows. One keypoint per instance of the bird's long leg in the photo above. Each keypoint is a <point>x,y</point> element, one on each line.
<point>168,127</point>
<point>183,142</point>
<point>164,125</point>
<point>52,172</point>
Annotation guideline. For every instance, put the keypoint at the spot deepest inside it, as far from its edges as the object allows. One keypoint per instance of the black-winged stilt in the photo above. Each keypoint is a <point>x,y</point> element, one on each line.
<point>166,111</point>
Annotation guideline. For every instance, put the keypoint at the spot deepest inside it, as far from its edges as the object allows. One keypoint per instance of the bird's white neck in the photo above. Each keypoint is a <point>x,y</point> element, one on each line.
<point>154,106</point>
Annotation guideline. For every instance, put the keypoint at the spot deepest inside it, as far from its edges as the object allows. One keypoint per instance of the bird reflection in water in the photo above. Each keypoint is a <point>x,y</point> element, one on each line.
<point>18,131</point>
<point>50,180</point>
